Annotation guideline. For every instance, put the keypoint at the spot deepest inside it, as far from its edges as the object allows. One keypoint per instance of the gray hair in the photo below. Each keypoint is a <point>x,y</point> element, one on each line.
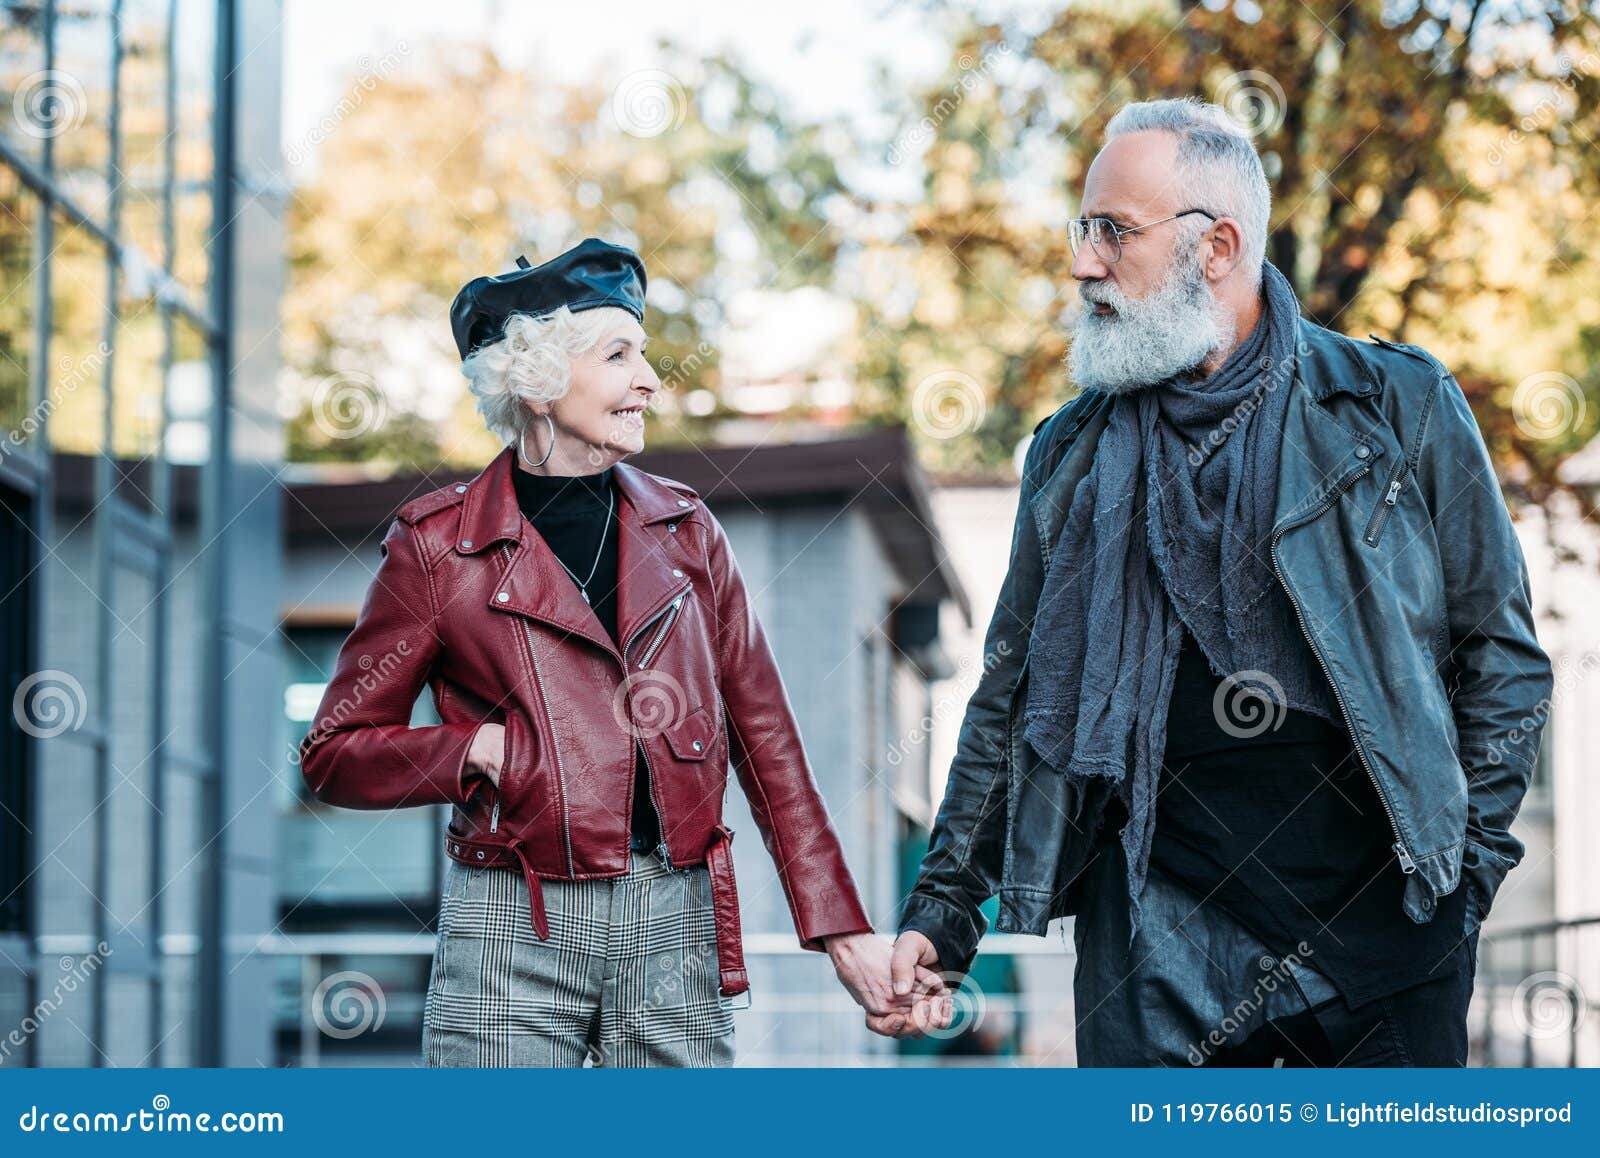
<point>532,364</point>
<point>1217,164</point>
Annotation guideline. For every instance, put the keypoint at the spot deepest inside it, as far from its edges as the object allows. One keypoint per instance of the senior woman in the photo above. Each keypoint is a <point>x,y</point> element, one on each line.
<point>597,665</point>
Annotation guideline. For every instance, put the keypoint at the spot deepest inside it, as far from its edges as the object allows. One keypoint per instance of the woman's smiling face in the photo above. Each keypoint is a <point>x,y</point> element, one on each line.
<point>600,418</point>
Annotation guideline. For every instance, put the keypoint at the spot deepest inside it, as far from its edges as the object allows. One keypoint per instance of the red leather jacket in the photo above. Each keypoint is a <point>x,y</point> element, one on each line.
<point>470,601</point>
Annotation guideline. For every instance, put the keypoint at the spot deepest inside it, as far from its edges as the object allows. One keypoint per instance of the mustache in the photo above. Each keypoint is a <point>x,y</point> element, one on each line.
<point>1099,293</point>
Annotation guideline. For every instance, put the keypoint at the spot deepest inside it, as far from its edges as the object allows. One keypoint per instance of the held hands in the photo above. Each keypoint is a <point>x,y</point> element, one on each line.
<point>900,987</point>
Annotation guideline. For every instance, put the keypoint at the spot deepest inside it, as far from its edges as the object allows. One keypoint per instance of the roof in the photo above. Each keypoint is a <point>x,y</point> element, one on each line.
<point>876,473</point>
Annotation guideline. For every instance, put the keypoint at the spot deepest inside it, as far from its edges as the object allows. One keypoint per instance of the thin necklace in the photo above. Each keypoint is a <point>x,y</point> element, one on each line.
<point>583,584</point>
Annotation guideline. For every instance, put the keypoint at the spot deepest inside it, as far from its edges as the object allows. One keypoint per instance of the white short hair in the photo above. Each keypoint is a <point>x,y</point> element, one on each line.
<point>1217,164</point>
<point>532,364</point>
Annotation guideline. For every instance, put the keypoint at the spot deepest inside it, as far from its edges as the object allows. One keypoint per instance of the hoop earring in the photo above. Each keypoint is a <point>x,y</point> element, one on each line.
<point>522,449</point>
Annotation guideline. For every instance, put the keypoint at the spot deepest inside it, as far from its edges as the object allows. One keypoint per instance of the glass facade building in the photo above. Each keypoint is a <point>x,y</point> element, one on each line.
<point>141,262</point>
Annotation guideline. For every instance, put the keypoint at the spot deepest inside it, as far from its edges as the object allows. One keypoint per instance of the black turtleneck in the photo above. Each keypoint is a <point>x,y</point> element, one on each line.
<point>569,512</point>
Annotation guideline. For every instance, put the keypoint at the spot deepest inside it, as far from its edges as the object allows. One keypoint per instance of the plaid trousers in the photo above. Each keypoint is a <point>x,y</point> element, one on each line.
<point>628,978</point>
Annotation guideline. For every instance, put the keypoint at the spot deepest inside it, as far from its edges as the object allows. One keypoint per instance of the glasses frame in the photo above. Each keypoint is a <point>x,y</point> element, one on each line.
<point>1084,227</point>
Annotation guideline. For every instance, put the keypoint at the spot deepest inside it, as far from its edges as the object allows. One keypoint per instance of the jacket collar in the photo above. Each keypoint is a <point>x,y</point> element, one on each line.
<point>490,513</point>
<point>1329,363</point>
<point>1323,447</point>
<point>534,583</point>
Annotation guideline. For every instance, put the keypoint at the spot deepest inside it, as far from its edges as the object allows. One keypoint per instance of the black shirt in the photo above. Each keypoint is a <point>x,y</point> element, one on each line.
<point>1286,832</point>
<point>569,512</point>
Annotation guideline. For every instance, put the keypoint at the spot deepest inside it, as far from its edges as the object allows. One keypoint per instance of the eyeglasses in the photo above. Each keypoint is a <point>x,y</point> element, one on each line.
<point>1106,238</point>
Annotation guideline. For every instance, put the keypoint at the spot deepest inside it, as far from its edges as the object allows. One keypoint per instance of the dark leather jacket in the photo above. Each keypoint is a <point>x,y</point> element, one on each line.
<point>1394,543</point>
<point>471,602</point>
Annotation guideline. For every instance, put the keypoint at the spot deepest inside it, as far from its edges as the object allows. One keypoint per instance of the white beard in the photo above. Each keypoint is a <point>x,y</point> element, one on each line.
<point>1148,340</point>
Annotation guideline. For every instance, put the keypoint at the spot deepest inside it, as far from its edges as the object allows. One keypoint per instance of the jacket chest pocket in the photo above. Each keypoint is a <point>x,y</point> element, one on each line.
<point>1383,512</point>
<point>692,737</point>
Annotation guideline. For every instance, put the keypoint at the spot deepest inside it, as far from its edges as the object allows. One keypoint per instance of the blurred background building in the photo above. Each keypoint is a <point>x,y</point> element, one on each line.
<point>142,243</point>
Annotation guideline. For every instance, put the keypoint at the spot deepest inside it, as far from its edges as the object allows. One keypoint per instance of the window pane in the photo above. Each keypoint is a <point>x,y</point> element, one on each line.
<point>130,806</point>
<point>142,116</point>
<point>194,48</point>
<point>21,69</point>
<point>136,378</point>
<point>19,217</point>
<point>75,392</point>
<point>79,104</point>
<point>189,394</point>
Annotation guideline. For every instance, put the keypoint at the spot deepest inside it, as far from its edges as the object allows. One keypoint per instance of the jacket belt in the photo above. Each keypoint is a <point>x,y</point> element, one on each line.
<point>725,907</point>
<point>733,978</point>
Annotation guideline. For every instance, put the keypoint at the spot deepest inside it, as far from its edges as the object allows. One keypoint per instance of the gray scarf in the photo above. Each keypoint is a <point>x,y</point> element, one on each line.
<point>1171,526</point>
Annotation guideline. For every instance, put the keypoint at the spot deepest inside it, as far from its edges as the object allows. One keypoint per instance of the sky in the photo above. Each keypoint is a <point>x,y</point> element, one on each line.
<point>821,55</point>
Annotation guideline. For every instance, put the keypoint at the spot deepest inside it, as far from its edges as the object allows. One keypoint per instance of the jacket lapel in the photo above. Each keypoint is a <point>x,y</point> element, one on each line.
<point>1320,449</point>
<point>536,585</point>
<point>648,578</point>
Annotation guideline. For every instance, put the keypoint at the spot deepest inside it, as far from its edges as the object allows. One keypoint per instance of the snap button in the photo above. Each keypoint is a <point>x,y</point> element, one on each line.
<point>467,543</point>
<point>698,745</point>
<point>504,597</point>
<point>461,490</point>
<point>455,848</point>
<point>677,574</point>
<point>1362,452</point>
<point>672,528</point>
<point>480,854</point>
<point>683,502</point>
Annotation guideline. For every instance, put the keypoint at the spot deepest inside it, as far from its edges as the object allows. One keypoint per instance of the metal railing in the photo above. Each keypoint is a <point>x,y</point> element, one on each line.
<point>1537,994</point>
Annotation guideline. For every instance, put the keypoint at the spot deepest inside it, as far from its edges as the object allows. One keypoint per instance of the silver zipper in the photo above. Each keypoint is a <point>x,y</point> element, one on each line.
<point>655,644</point>
<point>650,784</point>
<point>671,612</point>
<point>1407,865</point>
<point>494,816</point>
<point>1392,496</point>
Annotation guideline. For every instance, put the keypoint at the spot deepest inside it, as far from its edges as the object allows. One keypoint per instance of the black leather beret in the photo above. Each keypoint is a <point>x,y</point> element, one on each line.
<point>591,274</point>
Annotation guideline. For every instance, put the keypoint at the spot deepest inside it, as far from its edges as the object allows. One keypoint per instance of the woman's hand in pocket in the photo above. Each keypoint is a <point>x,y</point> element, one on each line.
<point>487,750</point>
